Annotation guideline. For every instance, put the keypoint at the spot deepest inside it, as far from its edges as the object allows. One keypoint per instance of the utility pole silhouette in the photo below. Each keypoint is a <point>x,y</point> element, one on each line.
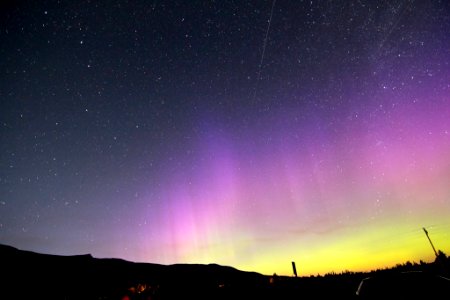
<point>432,246</point>
<point>294,268</point>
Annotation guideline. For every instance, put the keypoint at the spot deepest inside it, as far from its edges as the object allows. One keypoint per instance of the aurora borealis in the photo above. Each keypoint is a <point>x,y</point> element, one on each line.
<point>153,132</point>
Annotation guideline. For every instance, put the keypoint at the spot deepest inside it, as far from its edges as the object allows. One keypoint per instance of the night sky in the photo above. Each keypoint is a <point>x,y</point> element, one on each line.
<point>227,131</point>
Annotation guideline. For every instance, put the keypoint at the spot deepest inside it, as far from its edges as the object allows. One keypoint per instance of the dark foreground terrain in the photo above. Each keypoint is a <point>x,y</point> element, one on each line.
<point>29,275</point>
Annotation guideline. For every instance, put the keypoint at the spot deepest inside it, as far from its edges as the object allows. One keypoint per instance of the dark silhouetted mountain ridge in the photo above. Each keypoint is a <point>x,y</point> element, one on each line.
<point>83,276</point>
<point>27,275</point>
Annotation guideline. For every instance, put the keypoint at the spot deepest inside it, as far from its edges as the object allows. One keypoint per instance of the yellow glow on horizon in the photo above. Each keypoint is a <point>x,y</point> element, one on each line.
<point>378,245</point>
<point>384,241</point>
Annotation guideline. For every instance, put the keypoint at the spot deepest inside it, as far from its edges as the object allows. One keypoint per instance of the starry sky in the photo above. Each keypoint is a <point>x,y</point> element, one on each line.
<point>243,133</point>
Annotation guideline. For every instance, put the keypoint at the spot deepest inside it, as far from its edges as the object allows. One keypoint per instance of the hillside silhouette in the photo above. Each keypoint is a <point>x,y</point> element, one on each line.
<point>29,275</point>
